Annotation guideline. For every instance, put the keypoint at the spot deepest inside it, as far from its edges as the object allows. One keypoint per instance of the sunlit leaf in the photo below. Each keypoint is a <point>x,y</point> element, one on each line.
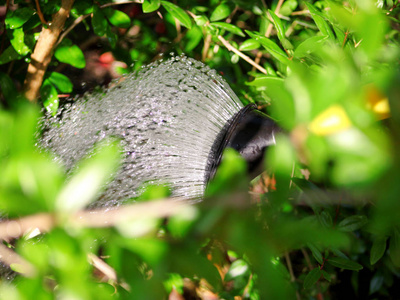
<point>62,82</point>
<point>178,13</point>
<point>49,96</point>
<point>228,27</point>
<point>89,178</point>
<point>249,44</point>
<point>271,47</point>
<point>310,45</point>
<point>17,39</point>
<point>222,11</point>
<point>71,54</point>
<point>117,17</point>
<point>319,20</point>
<point>278,25</point>
<point>18,17</point>
<point>150,5</point>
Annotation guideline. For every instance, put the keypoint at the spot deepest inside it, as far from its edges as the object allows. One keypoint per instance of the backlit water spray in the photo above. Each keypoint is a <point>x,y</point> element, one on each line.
<point>173,119</point>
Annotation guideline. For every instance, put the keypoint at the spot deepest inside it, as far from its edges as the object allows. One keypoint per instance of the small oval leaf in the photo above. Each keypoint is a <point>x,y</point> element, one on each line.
<point>352,223</point>
<point>117,17</point>
<point>99,22</point>
<point>344,263</point>
<point>71,54</point>
<point>228,27</point>
<point>249,44</point>
<point>18,17</point>
<point>312,278</point>
<point>178,13</point>
<point>61,82</point>
<point>49,96</point>
<point>377,250</point>
<point>150,5</point>
<point>222,11</point>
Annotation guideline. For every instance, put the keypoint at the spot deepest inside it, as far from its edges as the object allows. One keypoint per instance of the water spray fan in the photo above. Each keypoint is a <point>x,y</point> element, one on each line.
<point>174,120</point>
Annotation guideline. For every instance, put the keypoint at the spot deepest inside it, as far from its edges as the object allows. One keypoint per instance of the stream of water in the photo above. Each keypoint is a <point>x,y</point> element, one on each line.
<point>167,117</point>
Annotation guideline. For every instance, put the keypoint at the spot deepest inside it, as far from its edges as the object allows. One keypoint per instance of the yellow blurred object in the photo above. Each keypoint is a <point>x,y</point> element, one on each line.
<point>331,120</point>
<point>378,103</point>
<point>334,119</point>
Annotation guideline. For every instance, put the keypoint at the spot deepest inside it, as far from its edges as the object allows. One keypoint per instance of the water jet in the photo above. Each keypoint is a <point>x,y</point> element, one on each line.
<point>174,119</point>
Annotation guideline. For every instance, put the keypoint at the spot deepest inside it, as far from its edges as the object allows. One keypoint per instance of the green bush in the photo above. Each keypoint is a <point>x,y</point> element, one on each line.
<point>321,223</point>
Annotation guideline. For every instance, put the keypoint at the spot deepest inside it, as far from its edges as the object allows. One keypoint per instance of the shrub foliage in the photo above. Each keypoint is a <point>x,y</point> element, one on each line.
<point>321,222</point>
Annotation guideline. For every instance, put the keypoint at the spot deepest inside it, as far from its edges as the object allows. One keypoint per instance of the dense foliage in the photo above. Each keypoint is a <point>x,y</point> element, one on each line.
<point>322,222</point>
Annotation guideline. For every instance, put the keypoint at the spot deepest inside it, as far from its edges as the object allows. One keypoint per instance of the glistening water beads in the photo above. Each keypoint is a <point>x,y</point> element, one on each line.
<point>168,118</point>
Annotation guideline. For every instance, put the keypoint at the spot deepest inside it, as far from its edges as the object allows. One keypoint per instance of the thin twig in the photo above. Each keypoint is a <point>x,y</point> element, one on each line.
<point>103,217</point>
<point>300,12</point>
<point>20,265</point>
<point>109,273</point>
<point>40,14</point>
<point>290,268</point>
<point>207,43</point>
<point>83,17</point>
<point>245,57</point>
<point>120,3</point>
<point>11,229</point>
<point>72,26</point>
<point>307,258</point>
<point>43,51</point>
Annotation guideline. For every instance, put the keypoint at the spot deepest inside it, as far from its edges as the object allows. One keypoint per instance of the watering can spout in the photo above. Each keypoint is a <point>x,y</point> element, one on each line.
<point>250,133</point>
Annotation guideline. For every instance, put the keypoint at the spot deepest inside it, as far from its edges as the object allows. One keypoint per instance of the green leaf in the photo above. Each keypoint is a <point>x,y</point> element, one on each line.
<point>62,82</point>
<point>326,275</point>
<point>180,223</point>
<point>271,47</point>
<point>238,268</point>
<point>18,42</point>
<point>278,25</point>
<point>376,282</point>
<point>149,6</point>
<point>378,249</point>
<point>117,17</point>
<point>316,253</point>
<point>228,27</point>
<point>70,54</point>
<point>18,17</point>
<point>9,55</point>
<point>394,247</point>
<point>288,7</point>
<point>309,46</point>
<point>319,20</point>
<point>111,37</point>
<point>222,11</point>
<point>99,22</point>
<point>249,44</point>
<point>49,96</point>
<point>89,178</point>
<point>178,13</point>
<point>7,87</point>
<point>326,219</point>
<point>312,278</point>
<point>193,37</point>
<point>344,263</point>
<point>352,223</point>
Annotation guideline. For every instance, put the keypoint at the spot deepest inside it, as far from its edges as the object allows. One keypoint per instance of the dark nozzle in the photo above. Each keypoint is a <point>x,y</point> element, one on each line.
<point>250,133</point>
